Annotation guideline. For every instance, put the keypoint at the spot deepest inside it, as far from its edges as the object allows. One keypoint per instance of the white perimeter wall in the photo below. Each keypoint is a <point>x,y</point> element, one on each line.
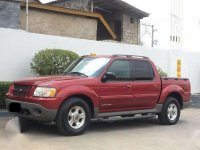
<point>18,47</point>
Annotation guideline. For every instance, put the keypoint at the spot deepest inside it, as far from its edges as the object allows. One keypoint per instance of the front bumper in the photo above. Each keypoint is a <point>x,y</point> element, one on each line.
<point>32,111</point>
<point>187,104</point>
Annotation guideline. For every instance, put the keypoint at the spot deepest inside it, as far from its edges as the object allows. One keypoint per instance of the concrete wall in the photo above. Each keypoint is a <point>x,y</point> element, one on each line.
<point>9,14</point>
<point>130,31</point>
<point>51,23</point>
<point>18,47</point>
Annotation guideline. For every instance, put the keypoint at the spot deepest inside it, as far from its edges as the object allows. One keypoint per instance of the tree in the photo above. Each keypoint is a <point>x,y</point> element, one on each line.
<point>52,61</point>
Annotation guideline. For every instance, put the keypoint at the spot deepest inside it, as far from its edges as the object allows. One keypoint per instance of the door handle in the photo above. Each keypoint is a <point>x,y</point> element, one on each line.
<point>128,86</point>
<point>155,86</point>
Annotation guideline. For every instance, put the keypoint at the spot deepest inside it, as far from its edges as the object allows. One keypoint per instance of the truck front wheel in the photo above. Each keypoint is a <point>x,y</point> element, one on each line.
<point>170,112</point>
<point>73,117</point>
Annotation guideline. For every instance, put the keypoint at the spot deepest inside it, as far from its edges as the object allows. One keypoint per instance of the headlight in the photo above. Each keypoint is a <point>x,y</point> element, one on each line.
<point>44,92</point>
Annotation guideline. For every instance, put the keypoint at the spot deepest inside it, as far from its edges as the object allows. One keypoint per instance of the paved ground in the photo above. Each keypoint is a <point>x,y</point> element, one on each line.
<point>108,135</point>
<point>196,101</point>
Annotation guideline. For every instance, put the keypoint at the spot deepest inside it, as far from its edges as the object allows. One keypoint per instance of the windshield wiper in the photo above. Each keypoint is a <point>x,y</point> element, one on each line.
<point>78,73</point>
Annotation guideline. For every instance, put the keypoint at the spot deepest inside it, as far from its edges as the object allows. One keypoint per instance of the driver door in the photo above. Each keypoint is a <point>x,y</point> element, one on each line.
<point>116,92</point>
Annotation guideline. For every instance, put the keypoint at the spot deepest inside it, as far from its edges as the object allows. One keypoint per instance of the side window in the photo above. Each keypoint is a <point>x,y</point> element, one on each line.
<point>121,70</point>
<point>142,70</point>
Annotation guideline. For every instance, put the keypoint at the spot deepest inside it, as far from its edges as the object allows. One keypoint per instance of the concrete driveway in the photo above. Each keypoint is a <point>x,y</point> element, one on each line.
<point>123,134</point>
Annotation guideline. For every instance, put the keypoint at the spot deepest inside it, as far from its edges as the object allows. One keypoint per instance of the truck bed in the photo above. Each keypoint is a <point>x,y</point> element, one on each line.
<point>182,83</point>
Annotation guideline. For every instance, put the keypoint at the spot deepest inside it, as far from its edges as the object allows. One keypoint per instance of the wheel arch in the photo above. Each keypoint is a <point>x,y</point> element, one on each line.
<point>177,96</point>
<point>172,91</point>
<point>85,98</point>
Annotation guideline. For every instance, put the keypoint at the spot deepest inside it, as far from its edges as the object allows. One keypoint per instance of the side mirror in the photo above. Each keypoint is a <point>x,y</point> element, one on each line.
<point>108,76</point>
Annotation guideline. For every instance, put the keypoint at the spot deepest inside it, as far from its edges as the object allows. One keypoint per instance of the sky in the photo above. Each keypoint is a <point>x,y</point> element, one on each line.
<point>191,18</point>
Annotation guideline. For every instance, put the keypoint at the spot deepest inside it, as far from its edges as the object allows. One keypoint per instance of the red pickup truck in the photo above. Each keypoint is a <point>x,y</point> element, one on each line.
<point>99,87</point>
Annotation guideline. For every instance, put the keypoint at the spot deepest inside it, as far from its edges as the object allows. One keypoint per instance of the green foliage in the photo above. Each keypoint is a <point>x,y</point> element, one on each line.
<point>161,72</point>
<point>4,86</point>
<point>52,61</point>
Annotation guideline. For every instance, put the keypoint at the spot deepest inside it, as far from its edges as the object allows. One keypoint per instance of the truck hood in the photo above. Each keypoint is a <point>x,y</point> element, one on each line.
<point>38,80</point>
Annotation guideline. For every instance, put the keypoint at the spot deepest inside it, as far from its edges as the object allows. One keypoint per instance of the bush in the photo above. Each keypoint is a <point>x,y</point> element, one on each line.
<point>52,61</point>
<point>161,72</point>
<point>4,86</point>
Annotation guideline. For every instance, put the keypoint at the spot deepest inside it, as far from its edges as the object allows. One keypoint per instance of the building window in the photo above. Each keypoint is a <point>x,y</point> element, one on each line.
<point>118,30</point>
<point>132,20</point>
<point>175,38</point>
<point>142,70</point>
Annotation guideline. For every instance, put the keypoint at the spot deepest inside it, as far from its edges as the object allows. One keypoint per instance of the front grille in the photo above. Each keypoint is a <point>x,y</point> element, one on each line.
<point>20,90</point>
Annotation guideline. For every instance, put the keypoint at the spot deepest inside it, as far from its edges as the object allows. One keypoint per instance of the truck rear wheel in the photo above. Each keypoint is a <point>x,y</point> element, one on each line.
<point>73,117</point>
<point>170,113</point>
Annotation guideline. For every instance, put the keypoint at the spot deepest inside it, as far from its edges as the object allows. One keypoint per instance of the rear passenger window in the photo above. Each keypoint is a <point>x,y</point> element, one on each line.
<point>142,70</point>
<point>121,69</point>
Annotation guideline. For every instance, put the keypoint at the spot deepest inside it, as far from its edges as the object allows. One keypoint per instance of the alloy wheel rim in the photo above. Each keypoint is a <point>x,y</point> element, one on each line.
<point>76,117</point>
<point>172,112</point>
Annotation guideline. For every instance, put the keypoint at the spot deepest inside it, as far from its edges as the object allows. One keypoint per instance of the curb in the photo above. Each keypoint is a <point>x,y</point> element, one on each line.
<point>195,99</point>
<point>4,113</point>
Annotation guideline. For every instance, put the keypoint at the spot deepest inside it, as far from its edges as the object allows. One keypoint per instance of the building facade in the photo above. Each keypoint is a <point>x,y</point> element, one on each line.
<point>112,20</point>
<point>176,26</point>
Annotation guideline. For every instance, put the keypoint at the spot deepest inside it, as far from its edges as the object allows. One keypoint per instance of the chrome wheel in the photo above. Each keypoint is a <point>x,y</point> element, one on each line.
<point>76,117</point>
<point>172,112</point>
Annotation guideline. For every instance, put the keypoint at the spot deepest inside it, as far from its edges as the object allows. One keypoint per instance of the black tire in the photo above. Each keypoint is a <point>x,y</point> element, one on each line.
<point>164,116</point>
<point>23,124</point>
<point>62,119</point>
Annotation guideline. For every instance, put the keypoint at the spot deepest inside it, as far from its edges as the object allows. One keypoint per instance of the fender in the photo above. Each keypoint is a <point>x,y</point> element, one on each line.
<point>66,92</point>
<point>168,90</point>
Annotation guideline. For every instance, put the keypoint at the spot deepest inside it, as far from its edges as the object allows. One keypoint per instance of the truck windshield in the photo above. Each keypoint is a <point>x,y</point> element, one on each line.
<point>87,66</point>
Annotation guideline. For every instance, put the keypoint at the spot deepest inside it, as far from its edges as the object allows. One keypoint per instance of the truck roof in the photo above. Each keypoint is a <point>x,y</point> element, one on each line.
<point>118,56</point>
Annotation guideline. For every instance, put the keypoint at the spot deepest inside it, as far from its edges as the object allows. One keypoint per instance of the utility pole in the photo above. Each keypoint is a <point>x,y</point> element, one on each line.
<point>27,15</point>
<point>153,30</point>
<point>92,6</point>
<point>152,35</point>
